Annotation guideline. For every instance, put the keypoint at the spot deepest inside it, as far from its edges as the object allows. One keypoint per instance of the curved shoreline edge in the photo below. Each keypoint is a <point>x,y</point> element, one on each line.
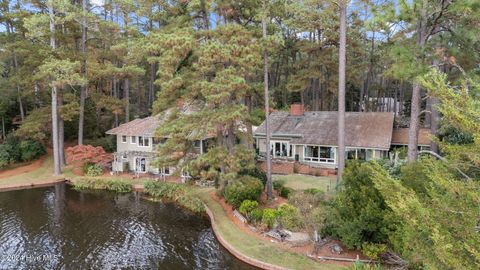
<point>236,253</point>
<point>33,185</point>
<point>139,188</point>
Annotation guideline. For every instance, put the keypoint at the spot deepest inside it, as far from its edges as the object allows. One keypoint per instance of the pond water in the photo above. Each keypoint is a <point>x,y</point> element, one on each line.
<point>60,228</point>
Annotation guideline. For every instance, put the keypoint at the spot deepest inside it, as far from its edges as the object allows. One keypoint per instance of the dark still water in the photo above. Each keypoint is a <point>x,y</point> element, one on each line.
<point>60,228</point>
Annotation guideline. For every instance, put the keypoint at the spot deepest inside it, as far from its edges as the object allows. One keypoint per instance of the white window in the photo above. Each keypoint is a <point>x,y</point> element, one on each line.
<point>133,139</point>
<point>146,141</point>
<point>196,144</point>
<point>280,149</point>
<point>143,141</point>
<point>321,154</point>
<point>165,171</point>
<point>124,139</point>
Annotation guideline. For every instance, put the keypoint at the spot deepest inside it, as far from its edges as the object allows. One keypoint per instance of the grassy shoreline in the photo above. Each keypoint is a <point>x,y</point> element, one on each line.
<point>247,245</point>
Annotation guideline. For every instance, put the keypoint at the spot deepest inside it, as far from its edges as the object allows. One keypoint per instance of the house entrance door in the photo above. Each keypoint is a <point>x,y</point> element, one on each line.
<point>140,165</point>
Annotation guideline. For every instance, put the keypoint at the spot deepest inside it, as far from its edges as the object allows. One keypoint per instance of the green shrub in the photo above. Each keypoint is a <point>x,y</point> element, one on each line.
<point>4,156</point>
<point>359,213</point>
<point>314,191</point>
<point>269,217</point>
<point>256,215</point>
<point>278,185</point>
<point>257,173</point>
<point>92,169</point>
<point>11,146</point>
<point>373,251</point>
<point>177,193</point>
<point>289,216</point>
<point>247,207</point>
<point>107,143</point>
<point>285,192</point>
<point>365,266</point>
<point>244,188</point>
<point>89,183</point>
<point>30,150</point>
<point>119,185</point>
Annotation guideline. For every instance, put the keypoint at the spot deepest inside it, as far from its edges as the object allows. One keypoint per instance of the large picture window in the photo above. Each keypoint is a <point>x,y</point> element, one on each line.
<point>322,154</point>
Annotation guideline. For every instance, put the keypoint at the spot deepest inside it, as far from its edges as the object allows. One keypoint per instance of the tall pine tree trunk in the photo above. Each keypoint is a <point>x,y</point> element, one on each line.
<point>61,132</point>
<point>416,94</point>
<point>56,156</point>
<point>126,89</point>
<point>3,128</point>
<point>341,91</point>
<point>115,94</point>
<point>267,106</point>
<point>151,85</point>
<point>81,116</point>
<point>249,139</point>
<point>19,92</point>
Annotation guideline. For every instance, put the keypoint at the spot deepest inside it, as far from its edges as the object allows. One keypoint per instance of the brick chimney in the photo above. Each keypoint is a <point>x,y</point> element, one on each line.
<point>296,109</point>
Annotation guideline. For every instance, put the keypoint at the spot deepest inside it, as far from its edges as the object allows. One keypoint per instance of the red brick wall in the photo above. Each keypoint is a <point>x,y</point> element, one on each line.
<point>306,169</point>
<point>289,167</point>
<point>279,167</point>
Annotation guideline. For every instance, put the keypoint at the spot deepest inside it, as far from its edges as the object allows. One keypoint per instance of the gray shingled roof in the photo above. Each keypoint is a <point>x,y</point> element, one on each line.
<point>400,136</point>
<point>147,126</point>
<point>138,127</point>
<point>368,130</point>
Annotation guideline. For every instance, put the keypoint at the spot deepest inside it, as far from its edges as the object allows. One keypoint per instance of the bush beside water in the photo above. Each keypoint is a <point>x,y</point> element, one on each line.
<point>178,193</point>
<point>117,185</point>
<point>92,169</point>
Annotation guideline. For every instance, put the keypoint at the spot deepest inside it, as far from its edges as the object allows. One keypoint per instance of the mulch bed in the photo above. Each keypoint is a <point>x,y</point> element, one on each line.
<point>305,250</point>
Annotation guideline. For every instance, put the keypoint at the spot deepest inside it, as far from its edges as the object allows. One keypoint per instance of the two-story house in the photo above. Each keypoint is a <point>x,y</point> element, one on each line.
<point>136,146</point>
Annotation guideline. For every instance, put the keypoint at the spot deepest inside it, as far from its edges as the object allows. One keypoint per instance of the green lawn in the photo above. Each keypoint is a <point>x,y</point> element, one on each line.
<point>41,175</point>
<point>302,182</point>
<point>254,247</point>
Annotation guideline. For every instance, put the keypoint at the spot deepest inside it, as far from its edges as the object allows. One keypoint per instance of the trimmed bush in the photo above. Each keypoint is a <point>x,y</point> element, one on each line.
<point>257,173</point>
<point>289,217</point>
<point>285,192</point>
<point>247,207</point>
<point>30,150</point>
<point>256,215</point>
<point>244,188</point>
<point>92,169</point>
<point>269,217</point>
